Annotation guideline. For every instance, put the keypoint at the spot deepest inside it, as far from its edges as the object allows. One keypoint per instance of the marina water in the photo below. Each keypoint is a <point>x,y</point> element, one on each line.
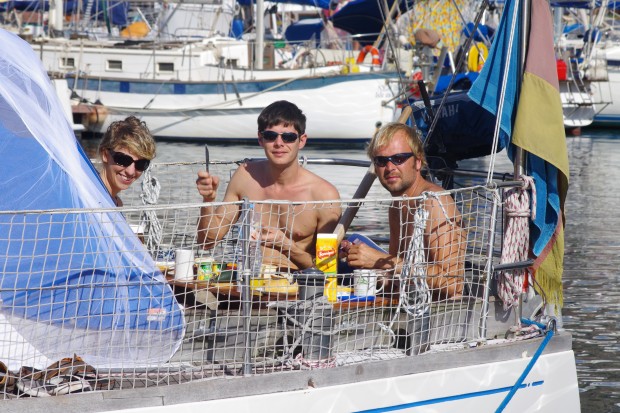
<point>592,260</point>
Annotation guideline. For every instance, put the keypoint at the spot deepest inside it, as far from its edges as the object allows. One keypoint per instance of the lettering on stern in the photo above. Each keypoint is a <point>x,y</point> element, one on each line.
<point>384,92</point>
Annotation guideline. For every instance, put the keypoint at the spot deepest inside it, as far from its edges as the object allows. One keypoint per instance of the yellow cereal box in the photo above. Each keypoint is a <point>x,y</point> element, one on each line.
<point>327,253</point>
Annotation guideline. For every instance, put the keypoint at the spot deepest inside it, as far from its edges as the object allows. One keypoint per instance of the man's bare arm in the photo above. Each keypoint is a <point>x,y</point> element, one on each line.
<point>446,244</point>
<point>214,223</point>
<point>364,256</point>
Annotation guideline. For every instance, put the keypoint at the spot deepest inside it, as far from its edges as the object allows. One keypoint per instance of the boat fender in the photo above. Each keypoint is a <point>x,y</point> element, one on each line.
<point>376,59</point>
<point>97,115</point>
<point>476,57</point>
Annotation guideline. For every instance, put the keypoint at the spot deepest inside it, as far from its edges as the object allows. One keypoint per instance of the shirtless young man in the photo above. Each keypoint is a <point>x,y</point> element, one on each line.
<point>398,156</point>
<point>289,232</point>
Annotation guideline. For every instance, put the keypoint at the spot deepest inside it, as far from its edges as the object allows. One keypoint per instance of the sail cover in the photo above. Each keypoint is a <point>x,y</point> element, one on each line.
<point>74,278</point>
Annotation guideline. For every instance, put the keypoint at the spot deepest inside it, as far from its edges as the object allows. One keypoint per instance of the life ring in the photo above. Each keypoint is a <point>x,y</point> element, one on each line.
<point>477,56</point>
<point>376,60</point>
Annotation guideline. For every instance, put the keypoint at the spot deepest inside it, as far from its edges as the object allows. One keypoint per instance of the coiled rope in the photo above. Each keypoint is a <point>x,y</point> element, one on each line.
<point>415,294</point>
<point>150,194</point>
<point>516,240</point>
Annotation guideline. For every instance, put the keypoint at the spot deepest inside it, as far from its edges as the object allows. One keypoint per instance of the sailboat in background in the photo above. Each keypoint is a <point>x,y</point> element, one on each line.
<point>192,78</point>
<point>591,40</point>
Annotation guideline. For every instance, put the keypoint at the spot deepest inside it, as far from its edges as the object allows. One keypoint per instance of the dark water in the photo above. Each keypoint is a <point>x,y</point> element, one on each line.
<point>592,261</point>
<point>592,267</point>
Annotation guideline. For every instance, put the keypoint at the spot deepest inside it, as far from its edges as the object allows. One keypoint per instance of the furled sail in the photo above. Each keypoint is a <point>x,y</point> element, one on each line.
<point>73,274</point>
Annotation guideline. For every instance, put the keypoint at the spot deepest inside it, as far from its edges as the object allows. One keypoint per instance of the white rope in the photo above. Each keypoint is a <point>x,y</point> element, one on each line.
<point>516,240</point>
<point>415,295</point>
<point>148,217</point>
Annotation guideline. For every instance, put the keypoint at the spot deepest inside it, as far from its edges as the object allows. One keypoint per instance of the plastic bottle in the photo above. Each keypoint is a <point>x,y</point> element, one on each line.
<point>256,250</point>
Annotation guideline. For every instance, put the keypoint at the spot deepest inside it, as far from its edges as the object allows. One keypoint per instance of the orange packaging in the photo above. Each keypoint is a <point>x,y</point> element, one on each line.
<point>327,253</point>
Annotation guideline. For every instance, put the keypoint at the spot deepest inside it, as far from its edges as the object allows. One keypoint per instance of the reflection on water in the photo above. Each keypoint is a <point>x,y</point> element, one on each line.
<point>592,267</point>
<point>592,261</point>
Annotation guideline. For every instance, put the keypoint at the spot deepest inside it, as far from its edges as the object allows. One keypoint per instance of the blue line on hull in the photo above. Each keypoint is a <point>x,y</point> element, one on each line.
<point>449,398</point>
<point>606,120</point>
<point>217,88</point>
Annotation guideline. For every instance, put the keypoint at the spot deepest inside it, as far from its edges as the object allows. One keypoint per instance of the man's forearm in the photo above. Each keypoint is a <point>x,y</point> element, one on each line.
<point>211,227</point>
<point>301,258</point>
<point>444,283</point>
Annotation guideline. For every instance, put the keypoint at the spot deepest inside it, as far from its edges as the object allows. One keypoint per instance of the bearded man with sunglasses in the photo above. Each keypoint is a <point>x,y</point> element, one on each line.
<point>398,157</point>
<point>126,150</point>
<point>288,232</point>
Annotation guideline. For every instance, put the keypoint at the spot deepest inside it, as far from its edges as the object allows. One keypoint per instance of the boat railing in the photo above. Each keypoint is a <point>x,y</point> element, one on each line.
<point>145,301</point>
<point>176,180</point>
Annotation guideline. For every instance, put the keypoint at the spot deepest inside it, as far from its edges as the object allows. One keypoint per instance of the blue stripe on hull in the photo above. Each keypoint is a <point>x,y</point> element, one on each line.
<point>208,88</point>
<point>606,120</point>
<point>449,398</point>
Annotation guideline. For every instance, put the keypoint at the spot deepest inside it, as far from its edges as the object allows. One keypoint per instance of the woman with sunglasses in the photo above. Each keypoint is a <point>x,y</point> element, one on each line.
<point>126,150</point>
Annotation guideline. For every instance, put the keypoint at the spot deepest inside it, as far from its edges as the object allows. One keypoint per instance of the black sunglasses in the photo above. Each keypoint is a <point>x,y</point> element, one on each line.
<point>271,136</point>
<point>125,160</point>
<point>396,159</point>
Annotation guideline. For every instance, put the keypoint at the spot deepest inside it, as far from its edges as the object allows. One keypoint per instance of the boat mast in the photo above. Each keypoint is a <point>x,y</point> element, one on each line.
<point>56,17</point>
<point>519,162</point>
<point>260,35</point>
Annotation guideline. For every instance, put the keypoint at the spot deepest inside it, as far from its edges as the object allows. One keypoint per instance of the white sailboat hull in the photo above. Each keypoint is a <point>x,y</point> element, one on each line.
<point>439,382</point>
<point>609,93</point>
<point>341,108</point>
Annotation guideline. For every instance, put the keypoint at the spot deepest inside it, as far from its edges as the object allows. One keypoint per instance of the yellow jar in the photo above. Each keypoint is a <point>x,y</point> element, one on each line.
<point>331,289</point>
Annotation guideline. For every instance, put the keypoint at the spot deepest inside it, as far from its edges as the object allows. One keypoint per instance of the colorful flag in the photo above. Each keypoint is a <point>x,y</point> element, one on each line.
<point>538,128</point>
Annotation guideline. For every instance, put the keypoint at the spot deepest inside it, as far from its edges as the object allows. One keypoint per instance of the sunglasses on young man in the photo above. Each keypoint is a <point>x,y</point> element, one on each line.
<point>271,136</point>
<point>125,160</point>
<point>396,159</point>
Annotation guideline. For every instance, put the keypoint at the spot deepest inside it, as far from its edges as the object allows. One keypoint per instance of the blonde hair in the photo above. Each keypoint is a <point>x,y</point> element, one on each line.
<point>385,135</point>
<point>131,133</point>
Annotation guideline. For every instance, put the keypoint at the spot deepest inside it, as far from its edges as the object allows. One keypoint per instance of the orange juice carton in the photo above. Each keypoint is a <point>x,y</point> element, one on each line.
<point>327,253</point>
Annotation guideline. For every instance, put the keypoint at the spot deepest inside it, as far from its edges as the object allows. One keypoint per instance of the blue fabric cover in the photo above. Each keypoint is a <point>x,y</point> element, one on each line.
<point>365,17</point>
<point>304,30</point>
<point>83,274</point>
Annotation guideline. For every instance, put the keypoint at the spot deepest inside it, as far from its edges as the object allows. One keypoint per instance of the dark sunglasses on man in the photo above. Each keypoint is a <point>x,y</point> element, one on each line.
<point>271,136</point>
<point>396,159</point>
<point>125,160</point>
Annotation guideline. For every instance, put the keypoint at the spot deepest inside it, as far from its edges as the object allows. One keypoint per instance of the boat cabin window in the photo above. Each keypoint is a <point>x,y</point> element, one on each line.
<point>163,67</point>
<point>67,62</point>
<point>114,65</point>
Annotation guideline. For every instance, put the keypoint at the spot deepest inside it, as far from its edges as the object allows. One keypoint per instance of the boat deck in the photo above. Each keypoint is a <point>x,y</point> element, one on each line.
<point>269,332</point>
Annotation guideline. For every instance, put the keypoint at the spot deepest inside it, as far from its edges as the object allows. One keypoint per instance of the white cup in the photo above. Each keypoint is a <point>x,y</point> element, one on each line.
<point>184,265</point>
<point>365,283</point>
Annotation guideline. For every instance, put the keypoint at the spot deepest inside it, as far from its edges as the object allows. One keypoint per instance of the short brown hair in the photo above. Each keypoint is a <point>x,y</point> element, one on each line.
<point>384,135</point>
<point>131,133</point>
<point>283,113</point>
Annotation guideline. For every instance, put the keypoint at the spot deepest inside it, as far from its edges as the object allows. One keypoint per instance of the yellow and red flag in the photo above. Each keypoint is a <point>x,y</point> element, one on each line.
<point>531,119</point>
